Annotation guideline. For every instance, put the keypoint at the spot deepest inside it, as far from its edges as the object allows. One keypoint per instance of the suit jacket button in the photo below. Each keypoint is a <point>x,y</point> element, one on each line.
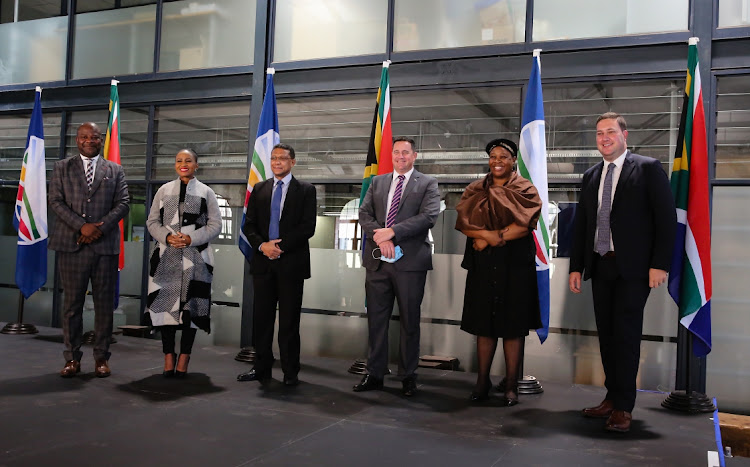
<point>88,200</point>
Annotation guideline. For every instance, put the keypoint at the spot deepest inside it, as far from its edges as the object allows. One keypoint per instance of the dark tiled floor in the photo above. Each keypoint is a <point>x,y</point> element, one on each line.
<point>136,417</point>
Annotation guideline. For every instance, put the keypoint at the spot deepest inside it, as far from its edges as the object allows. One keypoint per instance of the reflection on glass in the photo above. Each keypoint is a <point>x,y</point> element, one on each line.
<point>733,127</point>
<point>13,132</point>
<point>438,24</point>
<point>575,19</point>
<point>218,133</point>
<point>309,29</point>
<point>133,136</point>
<point>33,51</point>
<point>734,13</point>
<point>207,34</point>
<point>114,42</point>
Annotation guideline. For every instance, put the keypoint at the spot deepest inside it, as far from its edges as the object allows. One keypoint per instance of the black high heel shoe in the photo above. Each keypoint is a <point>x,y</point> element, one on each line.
<point>178,373</point>
<point>170,373</point>
<point>511,397</point>
<point>482,394</point>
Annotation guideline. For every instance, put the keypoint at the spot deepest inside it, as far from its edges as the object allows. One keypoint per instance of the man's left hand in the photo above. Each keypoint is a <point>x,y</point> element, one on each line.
<point>383,235</point>
<point>656,277</point>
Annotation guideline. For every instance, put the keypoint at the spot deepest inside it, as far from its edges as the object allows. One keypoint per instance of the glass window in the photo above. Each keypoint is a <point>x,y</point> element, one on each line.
<point>309,29</point>
<point>13,132</point>
<point>438,24</point>
<point>133,137</point>
<point>555,20</point>
<point>734,13</point>
<point>33,48</point>
<point>218,133</point>
<point>733,127</point>
<point>201,34</point>
<point>114,42</point>
<point>84,6</point>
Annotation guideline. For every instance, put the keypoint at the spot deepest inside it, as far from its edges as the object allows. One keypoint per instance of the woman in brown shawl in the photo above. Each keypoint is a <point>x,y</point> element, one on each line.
<point>497,214</point>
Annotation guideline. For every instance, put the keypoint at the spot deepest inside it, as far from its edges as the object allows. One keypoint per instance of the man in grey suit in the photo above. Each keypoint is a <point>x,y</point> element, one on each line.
<point>396,215</point>
<point>89,197</point>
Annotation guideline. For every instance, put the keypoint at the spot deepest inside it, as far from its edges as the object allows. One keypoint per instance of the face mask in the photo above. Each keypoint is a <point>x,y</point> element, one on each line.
<point>399,255</point>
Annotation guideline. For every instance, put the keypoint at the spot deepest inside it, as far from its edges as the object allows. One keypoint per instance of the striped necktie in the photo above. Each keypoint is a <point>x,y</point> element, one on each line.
<point>89,172</point>
<point>390,220</point>
<point>602,224</point>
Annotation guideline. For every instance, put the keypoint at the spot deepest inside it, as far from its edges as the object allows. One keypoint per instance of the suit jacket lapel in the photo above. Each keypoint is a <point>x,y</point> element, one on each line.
<point>79,167</point>
<point>627,169</point>
<point>410,187</point>
<point>101,171</point>
<point>596,180</point>
<point>290,194</point>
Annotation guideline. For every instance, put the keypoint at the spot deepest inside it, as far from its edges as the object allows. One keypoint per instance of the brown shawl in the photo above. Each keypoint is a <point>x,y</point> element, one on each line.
<point>497,207</point>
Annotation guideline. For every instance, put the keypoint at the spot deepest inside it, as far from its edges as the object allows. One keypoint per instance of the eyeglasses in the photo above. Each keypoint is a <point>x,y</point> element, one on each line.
<point>280,159</point>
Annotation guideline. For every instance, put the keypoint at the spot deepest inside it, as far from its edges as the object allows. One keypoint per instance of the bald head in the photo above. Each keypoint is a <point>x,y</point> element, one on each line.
<point>89,139</point>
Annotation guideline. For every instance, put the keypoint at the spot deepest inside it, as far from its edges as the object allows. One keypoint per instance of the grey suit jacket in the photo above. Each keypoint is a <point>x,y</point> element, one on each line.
<point>417,213</point>
<point>74,205</point>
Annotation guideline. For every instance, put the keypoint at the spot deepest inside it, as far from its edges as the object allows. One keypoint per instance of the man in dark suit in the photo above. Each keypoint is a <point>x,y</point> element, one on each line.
<point>624,232</point>
<point>397,214</point>
<point>279,222</point>
<point>89,197</point>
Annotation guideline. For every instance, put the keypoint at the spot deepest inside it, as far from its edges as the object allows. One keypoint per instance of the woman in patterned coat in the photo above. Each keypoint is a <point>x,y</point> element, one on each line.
<point>184,217</point>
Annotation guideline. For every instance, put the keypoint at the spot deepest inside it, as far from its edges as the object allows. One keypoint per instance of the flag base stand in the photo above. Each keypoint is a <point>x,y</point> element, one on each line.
<point>526,385</point>
<point>19,328</point>
<point>247,355</point>
<point>692,402</point>
<point>88,338</point>
<point>359,367</point>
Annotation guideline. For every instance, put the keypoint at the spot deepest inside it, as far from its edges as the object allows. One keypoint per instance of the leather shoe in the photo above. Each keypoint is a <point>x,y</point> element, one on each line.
<point>603,410</point>
<point>409,386</point>
<point>254,375</point>
<point>291,381</point>
<point>368,383</point>
<point>71,368</point>
<point>102,369</point>
<point>619,421</point>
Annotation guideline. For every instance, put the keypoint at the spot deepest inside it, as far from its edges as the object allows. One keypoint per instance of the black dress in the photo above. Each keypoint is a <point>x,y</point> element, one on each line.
<point>501,292</point>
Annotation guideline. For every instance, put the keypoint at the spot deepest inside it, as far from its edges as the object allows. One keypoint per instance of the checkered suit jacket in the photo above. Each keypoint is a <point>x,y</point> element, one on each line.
<point>108,201</point>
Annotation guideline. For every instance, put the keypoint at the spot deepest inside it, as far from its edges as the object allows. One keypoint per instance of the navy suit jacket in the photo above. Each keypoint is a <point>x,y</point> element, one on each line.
<point>69,197</point>
<point>296,226</point>
<point>643,219</point>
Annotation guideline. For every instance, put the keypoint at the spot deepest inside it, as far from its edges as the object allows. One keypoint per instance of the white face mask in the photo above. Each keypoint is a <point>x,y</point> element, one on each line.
<point>399,255</point>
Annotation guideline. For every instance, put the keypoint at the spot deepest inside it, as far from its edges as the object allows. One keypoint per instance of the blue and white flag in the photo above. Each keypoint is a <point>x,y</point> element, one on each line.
<point>266,139</point>
<point>30,219</point>
<point>532,164</point>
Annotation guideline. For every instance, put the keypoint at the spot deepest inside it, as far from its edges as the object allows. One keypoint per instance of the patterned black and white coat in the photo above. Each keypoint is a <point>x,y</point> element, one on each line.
<point>180,279</point>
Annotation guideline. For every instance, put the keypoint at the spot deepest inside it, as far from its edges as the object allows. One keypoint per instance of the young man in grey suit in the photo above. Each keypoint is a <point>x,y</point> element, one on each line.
<point>625,226</point>
<point>396,215</point>
<point>89,197</point>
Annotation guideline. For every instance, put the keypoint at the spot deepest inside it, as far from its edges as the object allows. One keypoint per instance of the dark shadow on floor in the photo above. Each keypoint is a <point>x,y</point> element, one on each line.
<point>157,388</point>
<point>43,384</point>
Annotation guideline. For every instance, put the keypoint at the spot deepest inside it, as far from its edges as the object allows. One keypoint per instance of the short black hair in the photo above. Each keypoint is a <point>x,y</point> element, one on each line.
<point>192,153</point>
<point>407,139</point>
<point>285,147</point>
<point>614,116</point>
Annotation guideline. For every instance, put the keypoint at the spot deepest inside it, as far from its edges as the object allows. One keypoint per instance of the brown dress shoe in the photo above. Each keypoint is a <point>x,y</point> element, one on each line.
<point>603,410</point>
<point>70,369</point>
<point>619,421</point>
<point>102,369</point>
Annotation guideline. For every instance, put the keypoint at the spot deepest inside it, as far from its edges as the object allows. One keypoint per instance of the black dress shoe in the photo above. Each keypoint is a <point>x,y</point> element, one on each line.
<point>511,398</point>
<point>409,386</point>
<point>479,393</point>
<point>368,383</point>
<point>254,375</point>
<point>291,381</point>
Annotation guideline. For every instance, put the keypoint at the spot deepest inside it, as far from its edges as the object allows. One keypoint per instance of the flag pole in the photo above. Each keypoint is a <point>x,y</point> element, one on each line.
<point>684,398</point>
<point>19,327</point>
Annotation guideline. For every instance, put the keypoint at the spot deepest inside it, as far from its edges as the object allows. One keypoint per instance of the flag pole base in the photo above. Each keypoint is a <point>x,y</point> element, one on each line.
<point>526,385</point>
<point>359,367</point>
<point>19,328</point>
<point>693,403</point>
<point>247,355</point>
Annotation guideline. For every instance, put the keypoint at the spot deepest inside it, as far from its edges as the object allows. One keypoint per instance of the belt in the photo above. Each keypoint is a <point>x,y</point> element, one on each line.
<point>609,254</point>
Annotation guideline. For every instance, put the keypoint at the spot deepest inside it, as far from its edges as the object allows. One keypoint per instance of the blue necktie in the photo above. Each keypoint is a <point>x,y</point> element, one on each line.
<point>273,227</point>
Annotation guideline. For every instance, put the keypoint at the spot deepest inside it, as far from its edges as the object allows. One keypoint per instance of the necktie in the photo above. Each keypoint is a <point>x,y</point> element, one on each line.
<point>273,227</point>
<point>89,173</point>
<point>395,202</point>
<point>602,223</point>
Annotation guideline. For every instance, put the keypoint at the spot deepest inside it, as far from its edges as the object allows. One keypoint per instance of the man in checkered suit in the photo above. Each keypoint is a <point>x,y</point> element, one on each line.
<point>89,197</point>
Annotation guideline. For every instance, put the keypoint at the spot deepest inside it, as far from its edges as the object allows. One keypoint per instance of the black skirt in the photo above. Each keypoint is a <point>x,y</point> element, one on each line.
<point>501,298</point>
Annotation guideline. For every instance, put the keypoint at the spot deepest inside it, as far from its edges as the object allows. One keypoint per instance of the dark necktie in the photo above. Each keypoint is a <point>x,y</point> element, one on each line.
<point>602,223</point>
<point>89,172</point>
<point>395,202</point>
<point>273,227</point>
